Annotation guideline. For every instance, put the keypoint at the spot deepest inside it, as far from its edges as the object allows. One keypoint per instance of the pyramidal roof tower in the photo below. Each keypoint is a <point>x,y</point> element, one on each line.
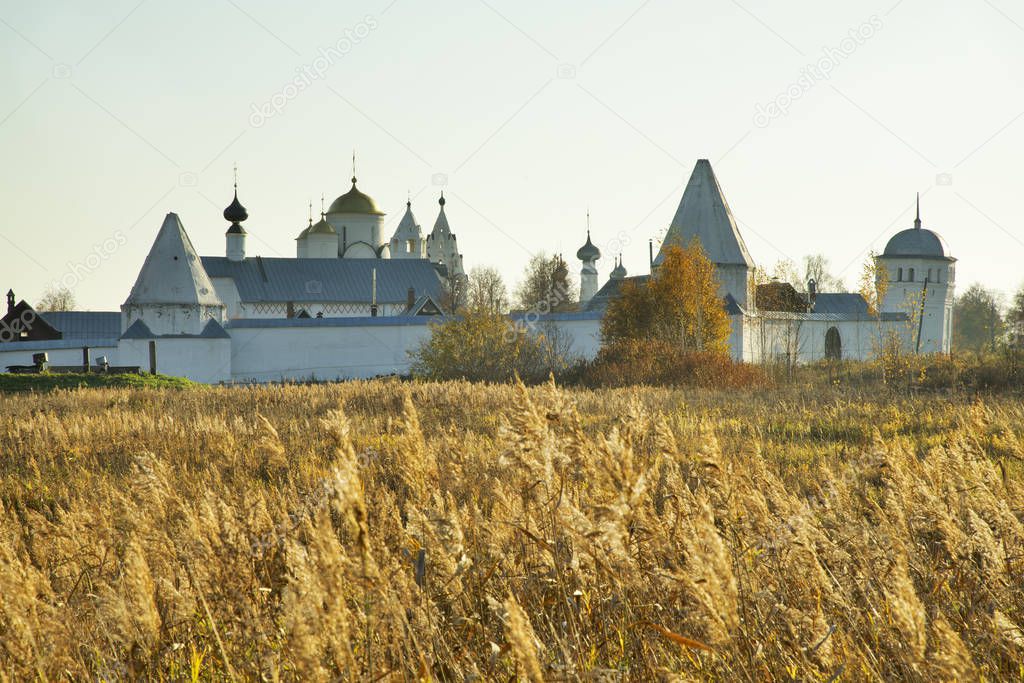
<point>173,293</point>
<point>173,273</point>
<point>703,213</point>
<point>408,241</point>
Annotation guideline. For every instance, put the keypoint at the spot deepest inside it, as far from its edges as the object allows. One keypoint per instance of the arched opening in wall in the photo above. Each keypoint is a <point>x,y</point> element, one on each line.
<point>833,344</point>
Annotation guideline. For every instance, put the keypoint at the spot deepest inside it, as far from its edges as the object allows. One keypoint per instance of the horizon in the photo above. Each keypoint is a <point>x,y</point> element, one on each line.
<point>527,118</point>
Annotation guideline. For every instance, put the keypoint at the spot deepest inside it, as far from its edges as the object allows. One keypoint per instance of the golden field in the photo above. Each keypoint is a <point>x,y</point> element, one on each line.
<point>379,531</point>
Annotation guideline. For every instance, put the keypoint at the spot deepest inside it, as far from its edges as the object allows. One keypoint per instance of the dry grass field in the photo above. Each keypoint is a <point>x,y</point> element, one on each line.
<point>384,531</point>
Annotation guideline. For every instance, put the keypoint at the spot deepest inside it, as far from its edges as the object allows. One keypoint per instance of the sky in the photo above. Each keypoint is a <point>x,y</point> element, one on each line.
<point>822,121</point>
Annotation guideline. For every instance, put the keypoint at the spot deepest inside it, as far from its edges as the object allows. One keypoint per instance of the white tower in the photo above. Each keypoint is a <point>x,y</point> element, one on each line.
<point>704,215</point>
<point>235,236</point>
<point>173,293</point>
<point>588,254</point>
<point>442,246</point>
<point>921,280</point>
<point>408,242</point>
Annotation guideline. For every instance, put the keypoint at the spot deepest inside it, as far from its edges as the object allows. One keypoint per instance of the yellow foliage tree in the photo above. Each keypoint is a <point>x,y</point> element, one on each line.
<point>678,304</point>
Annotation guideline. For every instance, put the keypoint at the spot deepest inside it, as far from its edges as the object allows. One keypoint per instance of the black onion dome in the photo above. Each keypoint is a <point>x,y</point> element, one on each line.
<point>588,252</point>
<point>235,212</point>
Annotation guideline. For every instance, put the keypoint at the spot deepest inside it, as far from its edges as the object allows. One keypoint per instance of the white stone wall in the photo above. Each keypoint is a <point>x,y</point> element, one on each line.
<point>771,340</point>
<point>268,354</point>
<point>200,360</point>
<point>20,353</point>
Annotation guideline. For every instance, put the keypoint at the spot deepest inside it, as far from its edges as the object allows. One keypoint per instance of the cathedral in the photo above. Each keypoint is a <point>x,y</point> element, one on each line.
<point>354,302</point>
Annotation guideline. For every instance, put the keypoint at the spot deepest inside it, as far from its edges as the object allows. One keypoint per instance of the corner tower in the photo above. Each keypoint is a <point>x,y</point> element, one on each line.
<point>173,294</point>
<point>921,280</point>
<point>703,214</point>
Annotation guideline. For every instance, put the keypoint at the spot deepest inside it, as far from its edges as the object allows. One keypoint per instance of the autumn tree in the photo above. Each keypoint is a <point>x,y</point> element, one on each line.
<point>678,304</point>
<point>454,293</point>
<point>977,319</point>
<point>1015,319</point>
<point>56,299</point>
<point>815,267</point>
<point>547,286</point>
<point>818,268</point>
<point>486,291</point>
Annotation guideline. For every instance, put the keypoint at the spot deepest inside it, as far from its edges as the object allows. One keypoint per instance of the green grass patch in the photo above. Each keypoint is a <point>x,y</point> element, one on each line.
<point>50,381</point>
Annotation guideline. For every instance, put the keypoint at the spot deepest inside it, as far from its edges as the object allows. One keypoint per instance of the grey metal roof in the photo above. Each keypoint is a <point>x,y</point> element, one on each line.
<point>916,242</point>
<point>610,290</point>
<point>850,305</point>
<point>379,321</point>
<point>703,213</point>
<point>310,280</point>
<point>85,324</point>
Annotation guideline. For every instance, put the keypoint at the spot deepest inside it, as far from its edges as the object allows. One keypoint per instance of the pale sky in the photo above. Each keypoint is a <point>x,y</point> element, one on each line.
<point>527,114</point>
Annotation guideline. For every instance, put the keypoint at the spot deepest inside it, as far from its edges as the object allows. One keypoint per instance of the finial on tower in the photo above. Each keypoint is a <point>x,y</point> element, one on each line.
<point>441,200</point>
<point>408,199</point>
<point>917,221</point>
<point>236,177</point>
<point>311,212</point>
<point>322,205</point>
<point>353,168</point>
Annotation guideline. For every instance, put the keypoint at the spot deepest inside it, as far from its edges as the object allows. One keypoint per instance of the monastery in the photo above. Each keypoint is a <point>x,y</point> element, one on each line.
<point>353,302</point>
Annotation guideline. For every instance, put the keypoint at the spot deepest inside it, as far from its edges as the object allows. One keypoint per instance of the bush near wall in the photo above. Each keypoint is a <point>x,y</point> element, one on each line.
<point>661,363</point>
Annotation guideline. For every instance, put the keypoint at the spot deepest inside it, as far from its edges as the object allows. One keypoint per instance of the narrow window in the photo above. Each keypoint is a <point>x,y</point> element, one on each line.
<point>910,274</point>
<point>899,275</point>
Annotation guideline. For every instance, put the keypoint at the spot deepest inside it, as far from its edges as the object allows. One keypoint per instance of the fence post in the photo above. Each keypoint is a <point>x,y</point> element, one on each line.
<point>152,357</point>
<point>85,359</point>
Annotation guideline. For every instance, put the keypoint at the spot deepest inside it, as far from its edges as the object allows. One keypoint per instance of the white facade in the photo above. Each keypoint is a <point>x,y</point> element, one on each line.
<point>235,245</point>
<point>923,289</point>
<point>408,240</point>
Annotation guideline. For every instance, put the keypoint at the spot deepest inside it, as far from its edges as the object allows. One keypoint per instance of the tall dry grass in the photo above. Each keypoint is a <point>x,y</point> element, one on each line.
<point>381,531</point>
